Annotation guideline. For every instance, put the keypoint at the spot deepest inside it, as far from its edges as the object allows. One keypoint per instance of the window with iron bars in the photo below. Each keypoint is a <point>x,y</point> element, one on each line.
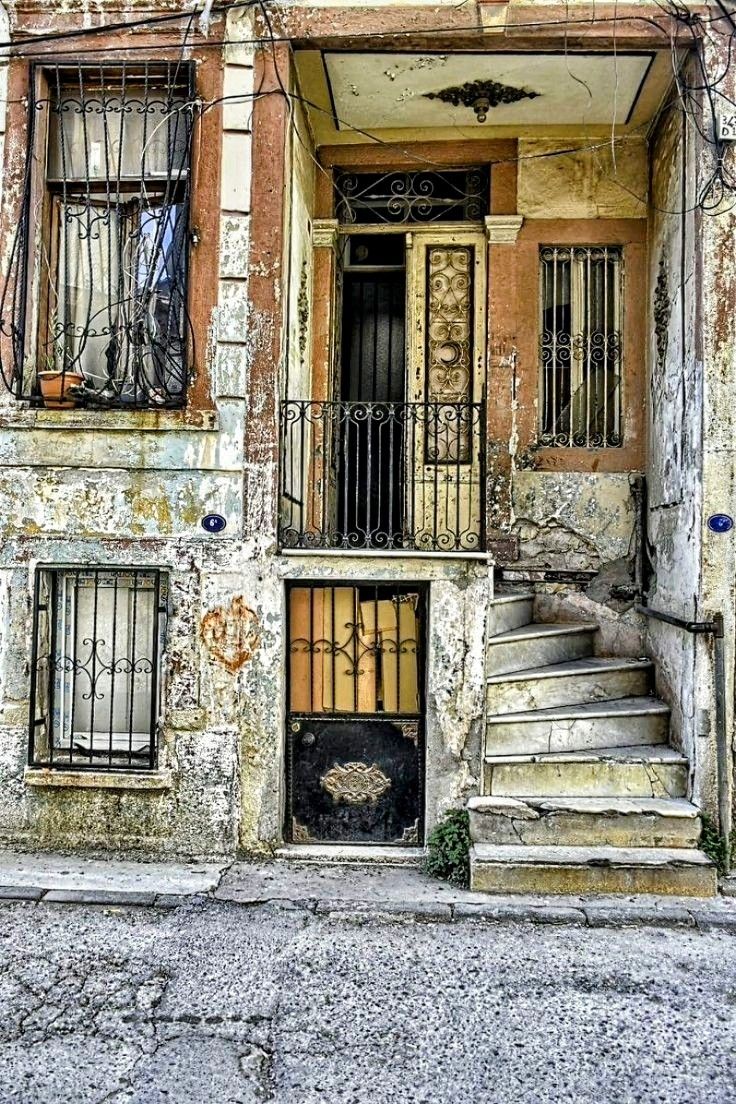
<point>581,346</point>
<point>105,238</point>
<point>96,682</point>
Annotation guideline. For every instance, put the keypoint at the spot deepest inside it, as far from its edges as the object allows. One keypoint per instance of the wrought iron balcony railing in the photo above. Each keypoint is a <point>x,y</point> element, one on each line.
<point>388,475</point>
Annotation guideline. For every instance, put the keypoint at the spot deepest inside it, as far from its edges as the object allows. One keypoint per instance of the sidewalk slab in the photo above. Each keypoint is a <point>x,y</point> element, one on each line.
<point>345,891</point>
<point>46,871</point>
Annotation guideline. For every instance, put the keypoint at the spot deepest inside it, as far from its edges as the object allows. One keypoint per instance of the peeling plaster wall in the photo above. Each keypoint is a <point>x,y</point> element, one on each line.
<point>572,520</point>
<point>575,520</point>
<point>674,469</point>
<point>299,322</point>
<point>718,357</point>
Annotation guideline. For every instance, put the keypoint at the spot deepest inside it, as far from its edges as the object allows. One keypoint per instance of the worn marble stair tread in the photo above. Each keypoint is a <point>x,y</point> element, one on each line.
<point>537,644</point>
<point>641,753</point>
<point>618,707</point>
<point>509,868</point>
<point>656,770</point>
<point>573,682</point>
<point>585,821</point>
<point>623,806</point>
<point>592,665</point>
<point>540,629</point>
<point>626,722</point>
<point>510,611</point>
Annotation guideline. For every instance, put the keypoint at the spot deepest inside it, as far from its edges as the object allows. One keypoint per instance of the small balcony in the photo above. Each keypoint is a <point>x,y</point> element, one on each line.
<point>389,476</point>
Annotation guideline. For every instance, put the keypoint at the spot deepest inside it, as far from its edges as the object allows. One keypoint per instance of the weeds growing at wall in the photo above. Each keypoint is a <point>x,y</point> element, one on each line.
<point>448,848</point>
<point>715,846</point>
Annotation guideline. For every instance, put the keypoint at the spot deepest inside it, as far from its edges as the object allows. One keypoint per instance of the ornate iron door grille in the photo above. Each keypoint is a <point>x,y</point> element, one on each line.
<point>581,347</point>
<point>355,755</point>
<point>98,635</point>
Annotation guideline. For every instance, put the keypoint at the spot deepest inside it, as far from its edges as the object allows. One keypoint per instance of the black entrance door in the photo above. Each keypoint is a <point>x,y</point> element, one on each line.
<point>354,735</point>
<point>373,389</point>
<point>355,781</point>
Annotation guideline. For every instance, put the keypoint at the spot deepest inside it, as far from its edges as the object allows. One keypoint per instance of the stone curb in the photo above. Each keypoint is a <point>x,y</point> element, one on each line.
<point>98,897</point>
<point>705,919</point>
<point>613,916</point>
<point>509,913</point>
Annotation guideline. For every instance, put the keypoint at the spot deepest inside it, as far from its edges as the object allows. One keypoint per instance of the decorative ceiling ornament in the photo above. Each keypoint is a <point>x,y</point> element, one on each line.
<point>355,783</point>
<point>481,95</point>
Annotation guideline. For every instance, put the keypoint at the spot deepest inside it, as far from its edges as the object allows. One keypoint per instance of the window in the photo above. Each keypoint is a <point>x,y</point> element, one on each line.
<point>452,195</point>
<point>98,638</point>
<point>113,232</point>
<point>581,304</point>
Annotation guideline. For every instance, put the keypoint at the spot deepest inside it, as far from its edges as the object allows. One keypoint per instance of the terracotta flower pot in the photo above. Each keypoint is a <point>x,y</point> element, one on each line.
<point>55,387</point>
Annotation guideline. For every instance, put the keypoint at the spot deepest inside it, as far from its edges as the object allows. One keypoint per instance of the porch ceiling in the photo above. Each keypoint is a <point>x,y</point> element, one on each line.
<point>479,95</point>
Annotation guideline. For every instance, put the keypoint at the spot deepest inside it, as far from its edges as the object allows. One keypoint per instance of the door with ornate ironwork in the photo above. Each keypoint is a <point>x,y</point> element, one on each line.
<point>446,281</point>
<point>355,748</point>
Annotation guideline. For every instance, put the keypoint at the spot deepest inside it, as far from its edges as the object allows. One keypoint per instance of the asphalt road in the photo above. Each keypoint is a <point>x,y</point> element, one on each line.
<point>215,1002</point>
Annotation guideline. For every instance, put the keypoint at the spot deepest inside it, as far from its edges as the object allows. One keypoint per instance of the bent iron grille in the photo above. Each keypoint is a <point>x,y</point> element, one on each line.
<point>98,637</point>
<point>96,292</point>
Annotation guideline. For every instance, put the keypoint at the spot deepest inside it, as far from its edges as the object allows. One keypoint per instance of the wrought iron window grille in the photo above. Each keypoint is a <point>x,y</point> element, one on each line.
<point>93,308</point>
<point>581,346</point>
<point>98,636</point>
<point>448,195</point>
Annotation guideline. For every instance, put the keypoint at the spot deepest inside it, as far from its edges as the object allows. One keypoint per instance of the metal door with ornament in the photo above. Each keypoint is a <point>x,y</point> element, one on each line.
<point>354,729</point>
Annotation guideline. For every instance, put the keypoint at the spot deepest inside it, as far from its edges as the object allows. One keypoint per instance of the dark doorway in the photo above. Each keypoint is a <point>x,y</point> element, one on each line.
<point>372,391</point>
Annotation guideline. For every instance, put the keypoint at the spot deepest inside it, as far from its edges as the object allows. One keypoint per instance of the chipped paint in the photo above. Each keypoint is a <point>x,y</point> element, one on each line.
<point>231,634</point>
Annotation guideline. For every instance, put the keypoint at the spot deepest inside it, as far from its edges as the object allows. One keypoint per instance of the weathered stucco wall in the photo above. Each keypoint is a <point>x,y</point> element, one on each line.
<point>572,521</point>
<point>674,469</point>
<point>593,181</point>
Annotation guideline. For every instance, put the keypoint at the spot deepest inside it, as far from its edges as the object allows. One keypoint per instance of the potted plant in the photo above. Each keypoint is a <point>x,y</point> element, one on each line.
<point>60,387</point>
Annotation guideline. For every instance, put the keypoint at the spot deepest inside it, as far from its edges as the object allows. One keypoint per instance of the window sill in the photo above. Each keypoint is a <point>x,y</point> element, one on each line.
<point>46,778</point>
<point>109,420</point>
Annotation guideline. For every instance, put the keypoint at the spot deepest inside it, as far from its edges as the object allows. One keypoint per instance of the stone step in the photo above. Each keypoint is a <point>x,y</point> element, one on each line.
<point>572,683</point>
<point>585,821</point>
<point>628,722</point>
<point>678,871</point>
<point>510,611</point>
<point>536,645</point>
<point>657,771</point>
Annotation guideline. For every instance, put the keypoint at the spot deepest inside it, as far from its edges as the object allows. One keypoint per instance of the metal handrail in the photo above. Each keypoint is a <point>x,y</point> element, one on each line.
<point>696,627</point>
<point>713,628</point>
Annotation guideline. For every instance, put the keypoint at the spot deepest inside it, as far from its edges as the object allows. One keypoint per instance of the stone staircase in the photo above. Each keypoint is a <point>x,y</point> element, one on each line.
<point>581,792</point>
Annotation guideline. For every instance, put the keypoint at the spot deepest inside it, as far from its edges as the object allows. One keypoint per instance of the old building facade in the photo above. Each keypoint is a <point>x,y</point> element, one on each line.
<point>366,432</point>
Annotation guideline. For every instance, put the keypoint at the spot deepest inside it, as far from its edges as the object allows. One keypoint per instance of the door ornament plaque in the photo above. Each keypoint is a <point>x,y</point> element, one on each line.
<point>355,783</point>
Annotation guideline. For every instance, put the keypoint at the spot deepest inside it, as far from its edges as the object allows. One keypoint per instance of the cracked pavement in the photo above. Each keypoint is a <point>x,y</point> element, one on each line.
<point>216,1001</point>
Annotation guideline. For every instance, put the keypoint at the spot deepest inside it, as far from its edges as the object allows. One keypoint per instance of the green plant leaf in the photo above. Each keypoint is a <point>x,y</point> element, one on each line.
<point>448,849</point>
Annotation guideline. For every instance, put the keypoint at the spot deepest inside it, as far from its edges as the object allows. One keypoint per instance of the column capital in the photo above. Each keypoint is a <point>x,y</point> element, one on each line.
<point>503,229</point>
<point>324,233</point>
